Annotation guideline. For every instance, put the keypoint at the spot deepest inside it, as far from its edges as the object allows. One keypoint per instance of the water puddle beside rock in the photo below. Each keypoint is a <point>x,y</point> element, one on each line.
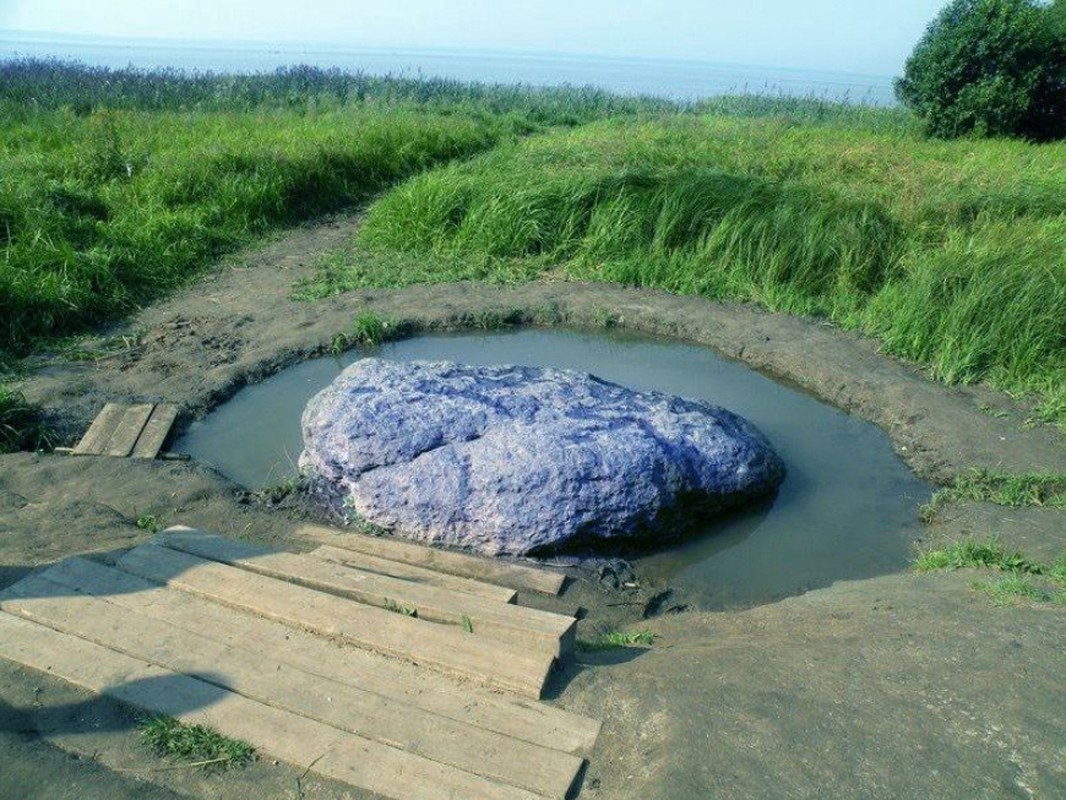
<point>845,511</point>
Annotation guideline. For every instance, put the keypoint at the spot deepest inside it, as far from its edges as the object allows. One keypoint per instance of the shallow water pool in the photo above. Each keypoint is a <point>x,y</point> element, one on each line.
<point>845,511</point>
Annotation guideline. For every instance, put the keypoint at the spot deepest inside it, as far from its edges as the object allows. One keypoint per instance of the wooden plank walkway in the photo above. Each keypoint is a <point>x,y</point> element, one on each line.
<point>122,430</point>
<point>279,650</point>
<point>504,573</point>
<point>445,647</point>
<point>538,630</point>
<point>398,680</point>
<point>298,740</point>
<point>255,674</point>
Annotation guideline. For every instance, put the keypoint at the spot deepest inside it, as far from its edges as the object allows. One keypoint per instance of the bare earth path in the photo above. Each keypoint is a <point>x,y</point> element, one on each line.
<point>901,686</point>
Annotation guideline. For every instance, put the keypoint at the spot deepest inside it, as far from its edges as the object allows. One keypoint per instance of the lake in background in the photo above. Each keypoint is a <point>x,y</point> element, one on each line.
<point>674,79</point>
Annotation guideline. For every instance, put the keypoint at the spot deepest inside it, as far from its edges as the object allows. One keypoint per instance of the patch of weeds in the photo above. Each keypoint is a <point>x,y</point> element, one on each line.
<point>1023,578</point>
<point>275,494</point>
<point>468,625</point>
<point>1013,589</point>
<point>367,267</point>
<point>975,555</point>
<point>396,608</point>
<point>493,319</point>
<point>355,522</point>
<point>195,744</point>
<point>1003,489</point>
<point>152,523</point>
<point>615,639</point>
<point>548,314</point>
<point>21,427</point>
<point>607,319</point>
<point>90,348</point>
<point>369,330</point>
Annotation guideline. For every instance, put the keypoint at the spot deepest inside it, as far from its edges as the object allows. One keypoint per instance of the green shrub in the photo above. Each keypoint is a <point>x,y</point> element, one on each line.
<point>991,68</point>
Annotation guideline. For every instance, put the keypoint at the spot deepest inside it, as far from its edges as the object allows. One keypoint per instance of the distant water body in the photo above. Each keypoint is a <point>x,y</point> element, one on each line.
<point>674,79</point>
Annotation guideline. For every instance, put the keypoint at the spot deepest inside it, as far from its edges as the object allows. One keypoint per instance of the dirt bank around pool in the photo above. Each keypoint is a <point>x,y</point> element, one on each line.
<point>902,686</point>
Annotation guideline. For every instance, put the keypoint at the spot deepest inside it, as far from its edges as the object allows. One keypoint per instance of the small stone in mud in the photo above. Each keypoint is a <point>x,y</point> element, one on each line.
<point>518,460</point>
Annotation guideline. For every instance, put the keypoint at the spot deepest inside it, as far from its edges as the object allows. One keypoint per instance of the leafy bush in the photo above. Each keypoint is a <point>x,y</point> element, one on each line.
<point>991,68</point>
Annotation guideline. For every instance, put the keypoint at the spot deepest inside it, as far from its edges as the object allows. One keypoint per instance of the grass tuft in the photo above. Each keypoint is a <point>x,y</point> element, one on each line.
<point>1023,580</point>
<point>195,744</point>
<point>615,639</point>
<point>1012,589</point>
<point>21,427</point>
<point>975,555</point>
<point>396,608</point>
<point>1004,489</point>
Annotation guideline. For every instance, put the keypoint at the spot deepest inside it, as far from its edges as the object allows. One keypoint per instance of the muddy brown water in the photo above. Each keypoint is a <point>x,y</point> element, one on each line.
<point>847,509</point>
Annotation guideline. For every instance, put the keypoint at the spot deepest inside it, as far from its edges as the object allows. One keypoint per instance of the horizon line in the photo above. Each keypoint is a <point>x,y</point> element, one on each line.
<point>210,43</point>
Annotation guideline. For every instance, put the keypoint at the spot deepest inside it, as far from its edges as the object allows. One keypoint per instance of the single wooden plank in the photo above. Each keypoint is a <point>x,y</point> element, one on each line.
<point>404,682</point>
<point>504,573</point>
<point>155,432</point>
<point>444,647</point>
<point>262,676</point>
<point>409,572</point>
<point>527,627</point>
<point>129,429</point>
<point>99,433</point>
<point>302,742</point>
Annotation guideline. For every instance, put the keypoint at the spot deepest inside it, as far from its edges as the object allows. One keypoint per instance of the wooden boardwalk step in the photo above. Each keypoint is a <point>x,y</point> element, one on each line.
<point>528,627</point>
<point>265,677</point>
<point>504,573</point>
<point>122,430</point>
<point>410,572</point>
<point>155,431</point>
<point>406,683</point>
<point>298,740</point>
<point>445,647</point>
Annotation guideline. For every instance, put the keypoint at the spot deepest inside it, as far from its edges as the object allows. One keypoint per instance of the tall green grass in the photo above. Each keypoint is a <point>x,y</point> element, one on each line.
<point>55,84</point>
<point>954,253</point>
<point>103,213</point>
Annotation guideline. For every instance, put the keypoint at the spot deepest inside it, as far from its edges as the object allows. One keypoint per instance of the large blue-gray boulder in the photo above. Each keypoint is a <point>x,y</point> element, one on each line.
<point>517,460</point>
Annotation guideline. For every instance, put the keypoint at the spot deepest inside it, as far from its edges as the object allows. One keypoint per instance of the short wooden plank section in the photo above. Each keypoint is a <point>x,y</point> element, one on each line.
<point>516,576</point>
<point>129,430</point>
<point>262,676</point>
<point>409,572</point>
<point>97,437</point>
<point>121,430</point>
<point>155,432</point>
<point>527,627</point>
<point>406,683</point>
<point>301,741</point>
<point>445,647</point>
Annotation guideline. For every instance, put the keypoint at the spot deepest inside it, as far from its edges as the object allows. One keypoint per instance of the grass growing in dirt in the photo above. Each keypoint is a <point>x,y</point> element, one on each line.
<point>611,640</point>
<point>20,424</point>
<point>952,253</point>
<point>1003,489</point>
<point>194,744</point>
<point>1022,578</point>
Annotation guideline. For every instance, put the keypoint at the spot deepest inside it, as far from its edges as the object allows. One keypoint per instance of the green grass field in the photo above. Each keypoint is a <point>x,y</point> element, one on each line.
<point>117,187</point>
<point>952,253</point>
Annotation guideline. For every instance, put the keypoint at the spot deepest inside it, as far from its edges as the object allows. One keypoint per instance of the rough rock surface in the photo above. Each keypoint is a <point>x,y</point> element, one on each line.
<point>517,460</point>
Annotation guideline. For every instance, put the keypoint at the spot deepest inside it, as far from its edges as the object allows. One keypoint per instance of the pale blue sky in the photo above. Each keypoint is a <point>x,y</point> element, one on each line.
<point>868,36</point>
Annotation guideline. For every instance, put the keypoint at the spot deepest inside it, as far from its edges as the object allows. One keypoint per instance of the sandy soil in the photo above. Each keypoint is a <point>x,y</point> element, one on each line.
<point>901,686</point>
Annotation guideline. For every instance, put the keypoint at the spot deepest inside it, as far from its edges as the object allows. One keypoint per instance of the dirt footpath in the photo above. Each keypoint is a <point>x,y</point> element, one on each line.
<point>901,686</point>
